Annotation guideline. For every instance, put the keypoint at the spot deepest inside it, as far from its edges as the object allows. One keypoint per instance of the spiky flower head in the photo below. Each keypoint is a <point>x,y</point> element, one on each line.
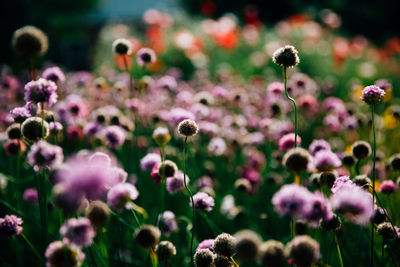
<point>41,91</point>
<point>14,131</point>
<point>10,226</point>
<point>247,244</point>
<point>165,250</point>
<point>361,149</point>
<point>62,253</point>
<point>78,231</point>
<point>30,41</point>
<point>188,127</point>
<point>147,236</point>
<point>225,245</point>
<point>372,94</point>
<point>272,254</point>
<point>296,160</point>
<point>304,250</point>
<point>98,213</point>
<point>122,47</point>
<point>394,162</point>
<point>222,261</point>
<point>32,129</point>
<point>286,57</point>
<point>386,230</point>
<point>203,258</point>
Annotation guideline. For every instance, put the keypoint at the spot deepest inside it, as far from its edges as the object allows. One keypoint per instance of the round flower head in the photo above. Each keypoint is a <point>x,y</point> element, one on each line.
<point>14,131</point>
<point>320,210</point>
<point>287,142</point>
<point>348,159</point>
<point>176,183</point>
<point>203,258</point>
<point>167,222</point>
<point>222,261</point>
<point>326,160</point>
<point>54,74</point>
<point>10,226</point>
<point>225,245</point>
<point>114,136</point>
<point>20,114</point>
<point>206,244</point>
<point>304,250</point>
<point>272,254</point>
<point>162,136</point>
<point>147,236</point>
<point>98,213</point>
<point>167,168</point>
<point>165,250</point>
<point>44,155</point>
<point>119,197</point>
<point>354,203</point>
<point>14,147</point>
<point>340,183</point>
<point>203,201</point>
<point>78,231</point>
<point>188,127</point>
<point>243,185</point>
<point>292,199</point>
<point>372,94</point>
<point>147,162</point>
<point>286,57</point>
<point>31,196</point>
<point>62,253</point>
<point>247,243</point>
<point>32,129</point>
<point>145,56</point>
<point>362,181</point>
<point>394,162</point>
<point>361,150</point>
<point>30,41</point>
<point>386,231</point>
<point>122,47</point>
<point>41,91</point>
<point>387,187</point>
<point>379,216</point>
<point>332,224</point>
<point>296,160</point>
<point>327,178</point>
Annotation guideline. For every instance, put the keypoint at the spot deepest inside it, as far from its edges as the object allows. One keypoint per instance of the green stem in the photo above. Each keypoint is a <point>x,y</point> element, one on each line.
<point>294,105</point>
<point>357,167</point>
<point>338,250</point>
<point>31,246</point>
<point>373,181</point>
<point>136,217</point>
<point>191,199</point>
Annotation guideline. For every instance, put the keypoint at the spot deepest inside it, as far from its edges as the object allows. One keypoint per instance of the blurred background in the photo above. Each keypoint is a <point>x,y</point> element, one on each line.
<point>73,25</point>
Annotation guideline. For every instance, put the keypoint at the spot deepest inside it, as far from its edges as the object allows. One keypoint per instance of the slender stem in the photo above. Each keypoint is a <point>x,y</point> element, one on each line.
<point>31,246</point>
<point>136,217</point>
<point>191,199</point>
<point>294,105</point>
<point>373,181</point>
<point>338,250</point>
<point>357,167</point>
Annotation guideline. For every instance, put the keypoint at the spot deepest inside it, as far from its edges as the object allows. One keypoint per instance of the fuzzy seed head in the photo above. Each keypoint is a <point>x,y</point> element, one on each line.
<point>188,128</point>
<point>286,57</point>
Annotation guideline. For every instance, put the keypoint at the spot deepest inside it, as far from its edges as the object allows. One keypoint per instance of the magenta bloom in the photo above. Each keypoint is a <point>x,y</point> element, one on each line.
<point>326,160</point>
<point>147,162</point>
<point>54,74</point>
<point>121,195</point>
<point>167,223</point>
<point>10,226</point>
<point>114,136</point>
<point>292,199</point>
<point>387,187</point>
<point>320,210</point>
<point>20,114</point>
<point>154,173</point>
<point>318,145</point>
<point>205,181</point>
<point>202,201</point>
<point>31,196</point>
<point>206,244</point>
<point>145,56</point>
<point>286,142</point>
<point>41,91</point>
<point>372,94</point>
<point>60,252</point>
<point>78,231</point>
<point>342,182</point>
<point>44,155</point>
<point>354,203</point>
<point>176,182</point>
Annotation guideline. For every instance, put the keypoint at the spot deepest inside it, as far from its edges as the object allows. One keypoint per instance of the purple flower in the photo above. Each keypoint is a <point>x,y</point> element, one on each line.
<point>320,210</point>
<point>354,203</point>
<point>31,196</point>
<point>91,128</point>
<point>176,182</point>
<point>121,195</point>
<point>286,142</point>
<point>76,106</point>
<point>383,84</point>
<point>44,155</point>
<point>176,115</point>
<point>78,231</point>
<point>114,136</point>
<point>326,160</point>
<point>206,244</point>
<point>387,187</point>
<point>318,145</point>
<point>202,201</point>
<point>167,82</point>
<point>10,225</point>
<point>20,114</point>
<point>205,181</point>
<point>145,56</point>
<point>292,199</point>
<point>372,94</point>
<point>58,253</point>
<point>342,182</point>
<point>55,126</point>
<point>167,223</point>
<point>41,91</point>
<point>54,74</point>
<point>147,162</point>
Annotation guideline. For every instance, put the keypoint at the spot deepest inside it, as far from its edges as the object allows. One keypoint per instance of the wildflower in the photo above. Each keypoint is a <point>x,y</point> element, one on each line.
<point>348,159</point>
<point>114,136</point>
<point>362,180</point>
<point>10,226</point>
<point>327,178</point>
<point>167,222</point>
<point>296,160</point>
<point>361,150</point>
<point>98,213</point>
<point>387,232</point>
<point>30,41</point>
<point>167,168</point>
<point>145,56</point>
<point>247,243</point>
<point>225,245</point>
<point>286,142</point>
<point>334,223</point>
<point>14,147</point>
<point>340,183</point>
<point>379,216</point>
<point>292,199</point>
<point>387,187</point>
<point>222,261</point>
<point>78,231</point>
<point>122,47</point>
<point>31,129</point>
<point>44,155</point>
<point>203,201</point>
<point>162,136</point>
<point>326,160</point>
<point>41,91</point>
<point>203,258</point>
<point>54,74</point>
<point>320,210</point>
<point>304,250</point>
<point>62,253</point>
<point>20,114</point>
<point>31,196</point>
<point>165,250</point>
<point>14,131</point>
<point>394,162</point>
<point>121,195</point>
<point>187,128</point>
<point>176,183</point>
<point>147,236</point>
<point>286,57</point>
<point>372,94</point>
<point>272,254</point>
<point>243,185</point>
<point>206,244</point>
